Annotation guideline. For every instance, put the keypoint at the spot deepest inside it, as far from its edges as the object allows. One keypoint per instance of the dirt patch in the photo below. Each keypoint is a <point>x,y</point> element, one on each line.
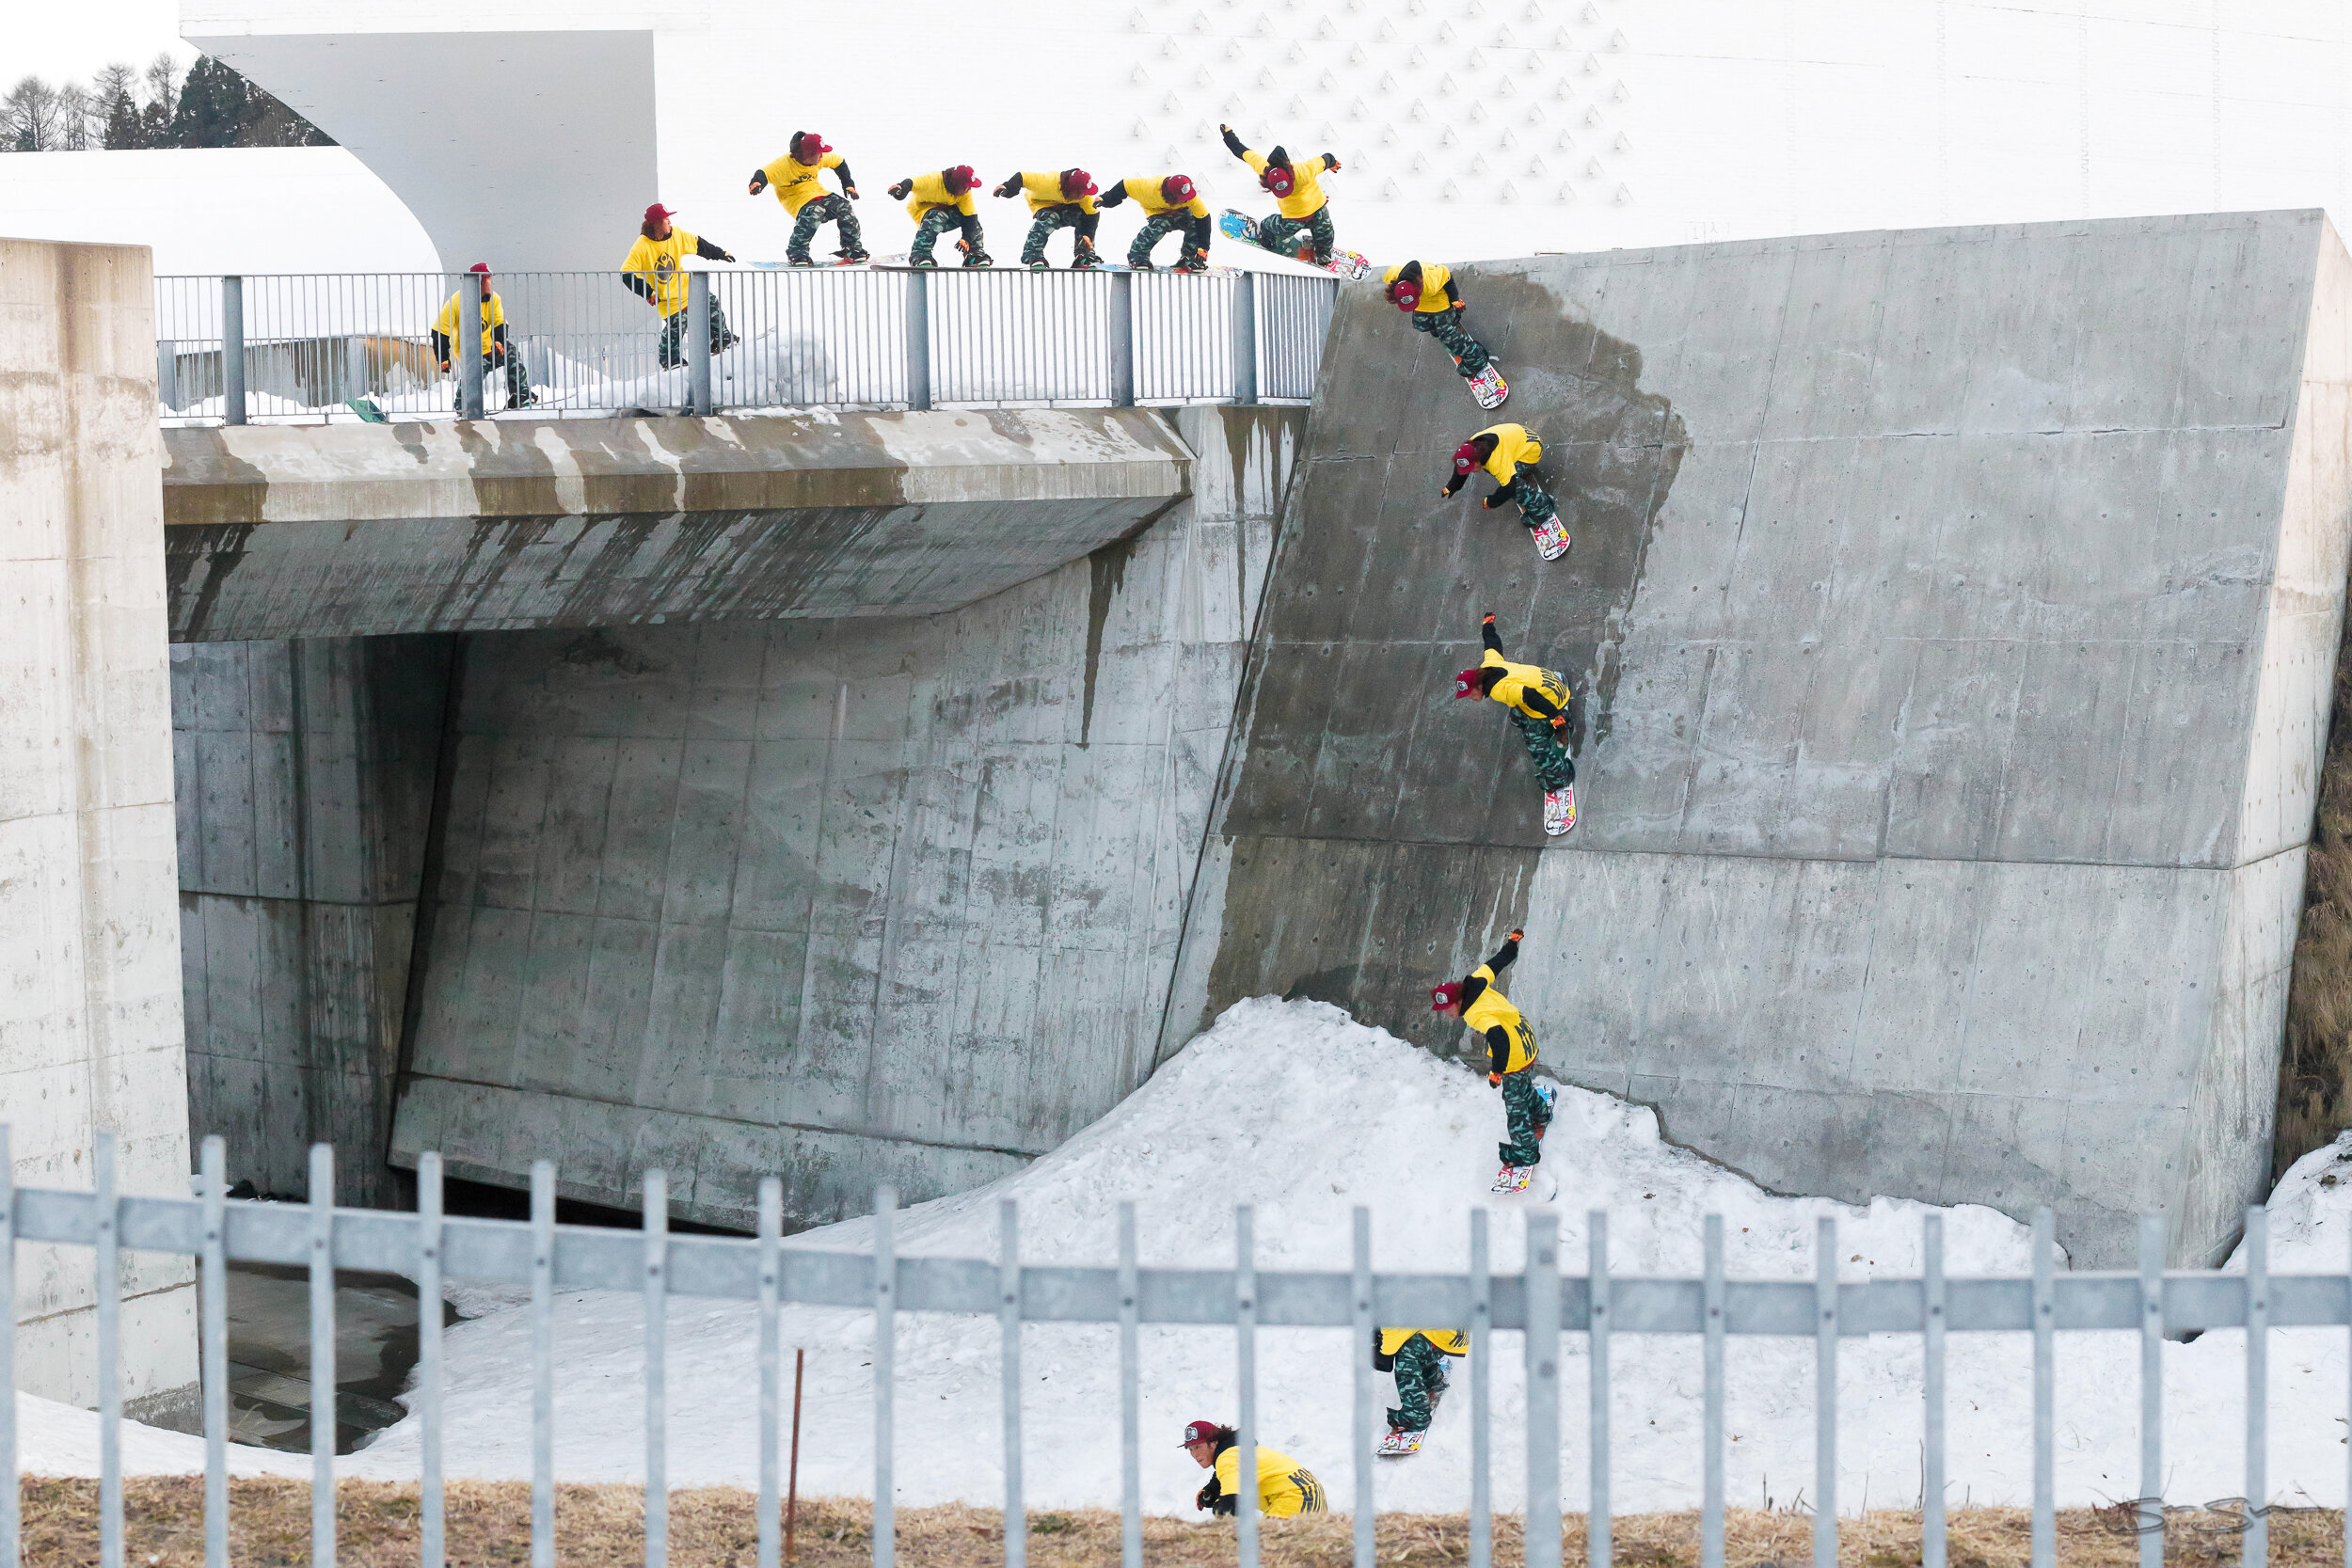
<point>2317,1062</point>
<point>490,1523</point>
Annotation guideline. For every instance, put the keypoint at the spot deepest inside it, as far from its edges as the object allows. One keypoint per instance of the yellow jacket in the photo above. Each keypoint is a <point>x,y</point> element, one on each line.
<point>1450,1340</point>
<point>493,317</point>
<point>796,183</point>
<point>1435,276</point>
<point>1513,447</point>
<point>663,263</point>
<point>1493,1007</point>
<point>930,190</point>
<point>1044,190</point>
<point>1285,1487</point>
<point>1306,198</point>
<point>1145,193</point>
<point>1520,679</point>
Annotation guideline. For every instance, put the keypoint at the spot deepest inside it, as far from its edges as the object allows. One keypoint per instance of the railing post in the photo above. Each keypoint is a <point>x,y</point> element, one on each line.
<point>1119,325</point>
<point>233,350</point>
<point>698,342</point>
<point>1246,338</point>
<point>168,374</point>
<point>1542,1337</point>
<point>918,339</point>
<point>466,352</point>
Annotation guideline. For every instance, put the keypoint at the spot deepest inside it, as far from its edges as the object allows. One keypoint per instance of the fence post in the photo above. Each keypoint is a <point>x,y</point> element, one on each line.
<point>168,374</point>
<point>698,342</point>
<point>1541,1337</point>
<point>918,339</point>
<point>233,351</point>
<point>466,352</point>
<point>1246,338</point>
<point>1121,334</point>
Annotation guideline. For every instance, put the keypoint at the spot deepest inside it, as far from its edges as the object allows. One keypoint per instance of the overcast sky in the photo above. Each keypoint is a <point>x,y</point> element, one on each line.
<point>75,38</point>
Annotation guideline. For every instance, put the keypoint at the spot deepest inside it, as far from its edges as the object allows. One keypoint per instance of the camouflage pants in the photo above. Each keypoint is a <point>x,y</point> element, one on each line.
<point>1524,1119</point>
<point>1048,220</point>
<point>518,378</point>
<point>1554,766</point>
<point>1156,227</point>
<point>1537,507</point>
<point>1446,326</point>
<point>937,221</point>
<point>1280,234</point>
<point>825,208</point>
<point>673,351</point>
<point>1420,1378</point>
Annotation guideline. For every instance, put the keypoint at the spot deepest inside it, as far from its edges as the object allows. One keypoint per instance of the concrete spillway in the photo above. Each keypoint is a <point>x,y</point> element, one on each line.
<point>1952,617</point>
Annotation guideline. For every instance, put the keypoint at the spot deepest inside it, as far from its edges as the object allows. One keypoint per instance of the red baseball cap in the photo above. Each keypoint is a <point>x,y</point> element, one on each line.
<point>809,141</point>
<point>1199,1432</point>
<point>1276,179</point>
<point>1465,458</point>
<point>658,211</point>
<point>1445,997</point>
<point>1466,684</point>
<point>961,178</point>
<point>1405,292</point>
<point>1077,182</point>
<point>481,268</point>
<point>1177,188</point>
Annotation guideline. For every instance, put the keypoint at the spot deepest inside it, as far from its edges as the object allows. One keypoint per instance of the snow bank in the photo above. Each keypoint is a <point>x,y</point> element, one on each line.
<point>1297,1109</point>
<point>55,1439</point>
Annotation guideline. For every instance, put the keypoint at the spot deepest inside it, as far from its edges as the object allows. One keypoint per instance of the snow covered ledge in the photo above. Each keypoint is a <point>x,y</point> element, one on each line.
<point>90,925</point>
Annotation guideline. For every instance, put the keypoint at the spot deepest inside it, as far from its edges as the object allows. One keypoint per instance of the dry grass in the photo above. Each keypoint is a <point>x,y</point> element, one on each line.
<point>2318,1064</point>
<point>490,1523</point>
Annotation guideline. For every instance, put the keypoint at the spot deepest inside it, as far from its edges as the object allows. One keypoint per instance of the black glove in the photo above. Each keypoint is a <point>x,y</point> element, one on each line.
<point>1011,187</point>
<point>1206,1497</point>
<point>727,256</point>
<point>901,191</point>
<point>849,190</point>
<point>1225,1507</point>
<point>759,181</point>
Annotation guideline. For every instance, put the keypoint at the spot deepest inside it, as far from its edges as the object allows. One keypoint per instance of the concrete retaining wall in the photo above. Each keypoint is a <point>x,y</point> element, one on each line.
<point>1952,617</point>
<point>844,900</point>
<point>89,982</point>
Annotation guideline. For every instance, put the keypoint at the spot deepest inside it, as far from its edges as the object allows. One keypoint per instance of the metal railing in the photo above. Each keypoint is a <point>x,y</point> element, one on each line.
<point>360,345</point>
<point>1540,1303</point>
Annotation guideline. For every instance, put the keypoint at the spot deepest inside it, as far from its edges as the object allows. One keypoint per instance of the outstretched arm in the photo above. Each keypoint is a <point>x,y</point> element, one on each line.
<point>637,284</point>
<point>759,181</point>
<point>709,252</point>
<point>1509,951</point>
<point>849,181</point>
<point>1486,633</point>
<point>1011,187</point>
<point>1112,195</point>
<point>1233,142</point>
<point>1454,485</point>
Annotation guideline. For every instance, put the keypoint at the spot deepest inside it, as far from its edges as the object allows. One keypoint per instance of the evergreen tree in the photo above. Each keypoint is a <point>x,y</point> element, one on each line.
<point>116,105</point>
<point>213,104</point>
<point>162,96</point>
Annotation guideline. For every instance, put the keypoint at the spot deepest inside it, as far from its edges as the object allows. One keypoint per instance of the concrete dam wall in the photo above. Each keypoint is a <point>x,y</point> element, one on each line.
<point>1952,618</point>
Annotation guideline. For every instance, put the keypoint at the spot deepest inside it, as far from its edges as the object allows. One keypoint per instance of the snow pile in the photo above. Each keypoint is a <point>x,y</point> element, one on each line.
<point>1300,1111</point>
<point>55,1439</point>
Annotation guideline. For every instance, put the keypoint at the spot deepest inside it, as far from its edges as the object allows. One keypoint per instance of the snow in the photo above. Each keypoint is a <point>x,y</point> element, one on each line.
<point>55,1439</point>
<point>1296,1108</point>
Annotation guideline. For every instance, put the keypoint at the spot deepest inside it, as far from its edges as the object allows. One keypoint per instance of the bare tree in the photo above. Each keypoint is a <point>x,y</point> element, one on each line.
<point>78,127</point>
<point>115,104</point>
<point>28,116</point>
<point>163,99</point>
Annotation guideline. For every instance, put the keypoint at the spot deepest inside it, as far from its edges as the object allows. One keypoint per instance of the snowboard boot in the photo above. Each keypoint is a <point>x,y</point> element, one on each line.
<point>923,263</point>
<point>798,262</point>
<point>1194,261</point>
<point>848,256</point>
<point>523,400</point>
<point>1513,1178</point>
<point>981,258</point>
<point>1040,264</point>
<point>726,341</point>
<point>1084,258</point>
<point>1560,810</point>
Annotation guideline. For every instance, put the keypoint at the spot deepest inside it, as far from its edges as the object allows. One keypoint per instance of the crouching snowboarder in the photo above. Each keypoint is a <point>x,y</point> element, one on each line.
<point>1300,225</point>
<point>1063,201</point>
<point>1416,1358</point>
<point>795,179</point>
<point>1171,206</point>
<point>1539,701</point>
<point>1285,1487</point>
<point>1479,1002</point>
<point>938,202</point>
<point>1424,291</point>
<point>1510,453</point>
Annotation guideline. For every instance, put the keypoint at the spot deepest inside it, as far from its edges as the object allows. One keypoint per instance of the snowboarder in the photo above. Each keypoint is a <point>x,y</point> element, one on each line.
<point>1417,1358</point>
<point>1170,205</point>
<point>797,178</point>
<point>656,268</point>
<point>496,351</point>
<point>938,202</point>
<point>1424,291</point>
<point>1301,207</point>
<point>1478,1001</point>
<point>1063,201</point>
<point>1539,701</point>
<point>1285,1487</point>
<point>1510,453</point>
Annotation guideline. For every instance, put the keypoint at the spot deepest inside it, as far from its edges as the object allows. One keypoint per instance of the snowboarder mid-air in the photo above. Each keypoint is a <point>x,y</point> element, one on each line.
<point>1539,701</point>
<point>938,202</point>
<point>1057,200</point>
<point>1301,207</point>
<point>797,180</point>
<point>1424,291</point>
<point>1478,1001</point>
<point>496,350</point>
<point>1285,1487</point>
<point>656,269</point>
<point>1416,1358</point>
<point>1510,453</point>
<point>1171,206</point>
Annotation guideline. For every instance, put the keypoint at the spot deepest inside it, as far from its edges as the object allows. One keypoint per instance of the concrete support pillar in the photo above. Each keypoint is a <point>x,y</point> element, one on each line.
<point>89,983</point>
<point>308,774</point>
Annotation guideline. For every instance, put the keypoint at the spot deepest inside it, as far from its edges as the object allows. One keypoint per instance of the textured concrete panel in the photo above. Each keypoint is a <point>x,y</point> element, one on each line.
<point>89,986</point>
<point>1951,617</point>
<point>326,531</point>
<point>852,899</point>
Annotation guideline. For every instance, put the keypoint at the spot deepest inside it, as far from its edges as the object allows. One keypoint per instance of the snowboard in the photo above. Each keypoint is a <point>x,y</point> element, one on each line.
<point>1401,1445</point>
<point>1559,810</point>
<point>1532,1182</point>
<point>812,266</point>
<point>1551,538</point>
<point>1350,264</point>
<point>898,260</point>
<point>1488,387</point>
<point>367,410</point>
